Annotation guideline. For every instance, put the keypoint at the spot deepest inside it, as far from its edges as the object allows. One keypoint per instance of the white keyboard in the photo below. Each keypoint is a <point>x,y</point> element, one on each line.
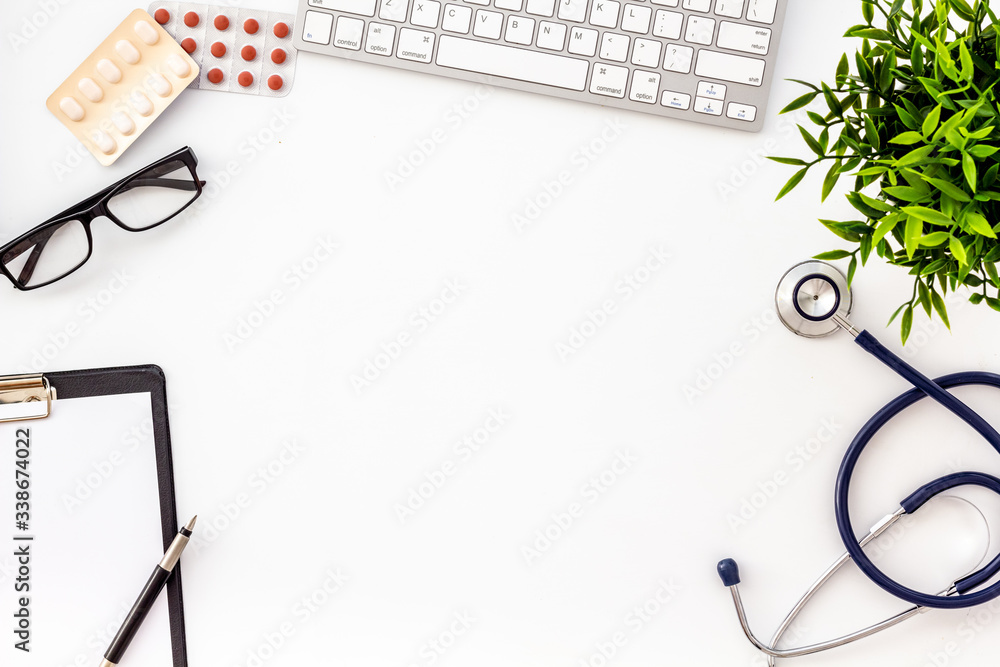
<point>709,61</point>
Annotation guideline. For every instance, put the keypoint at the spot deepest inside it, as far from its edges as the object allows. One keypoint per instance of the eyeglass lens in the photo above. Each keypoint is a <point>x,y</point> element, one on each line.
<point>154,195</point>
<point>49,254</point>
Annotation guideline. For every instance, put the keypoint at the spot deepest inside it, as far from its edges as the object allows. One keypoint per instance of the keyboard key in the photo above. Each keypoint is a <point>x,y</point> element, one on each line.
<point>667,3</point>
<point>746,112</point>
<point>738,69</point>
<point>551,36</point>
<point>700,30</point>
<point>541,7</point>
<point>746,38</point>
<point>708,106</point>
<point>715,91</point>
<point>646,52</point>
<point>762,11</point>
<point>644,87</point>
<point>730,8</point>
<point>675,100</point>
<point>605,13</point>
<point>484,3</point>
<point>609,80</point>
<point>573,10</point>
<point>512,63</point>
<point>668,24</point>
<point>425,13</point>
<point>380,38</point>
<point>361,7</point>
<point>698,5</point>
<point>393,10</point>
<point>415,45</point>
<point>636,19</point>
<point>582,42</point>
<point>510,5</point>
<point>678,58</point>
<point>457,18</point>
<point>349,32</point>
<point>488,24</point>
<point>520,30</point>
<point>317,27</point>
<point>614,47</point>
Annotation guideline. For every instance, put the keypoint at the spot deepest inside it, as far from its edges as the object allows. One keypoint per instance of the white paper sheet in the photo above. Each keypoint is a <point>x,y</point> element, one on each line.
<point>94,527</point>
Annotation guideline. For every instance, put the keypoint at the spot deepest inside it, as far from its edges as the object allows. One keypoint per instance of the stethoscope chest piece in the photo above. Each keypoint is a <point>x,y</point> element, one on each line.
<point>808,297</point>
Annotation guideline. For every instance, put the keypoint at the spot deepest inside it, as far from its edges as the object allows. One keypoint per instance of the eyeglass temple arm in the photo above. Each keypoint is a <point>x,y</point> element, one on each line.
<point>29,266</point>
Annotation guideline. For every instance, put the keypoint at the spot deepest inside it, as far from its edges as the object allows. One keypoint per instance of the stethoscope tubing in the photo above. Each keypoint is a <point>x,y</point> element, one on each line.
<point>936,389</point>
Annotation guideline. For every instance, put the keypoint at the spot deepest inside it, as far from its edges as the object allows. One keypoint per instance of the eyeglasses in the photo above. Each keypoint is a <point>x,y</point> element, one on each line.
<point>62,244</point>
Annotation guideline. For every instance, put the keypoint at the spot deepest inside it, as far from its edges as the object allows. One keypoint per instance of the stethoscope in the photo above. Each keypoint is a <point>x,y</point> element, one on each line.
<point>813,300</point>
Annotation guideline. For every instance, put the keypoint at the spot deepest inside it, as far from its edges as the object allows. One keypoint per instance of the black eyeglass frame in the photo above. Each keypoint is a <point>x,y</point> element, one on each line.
<point>94,207</point>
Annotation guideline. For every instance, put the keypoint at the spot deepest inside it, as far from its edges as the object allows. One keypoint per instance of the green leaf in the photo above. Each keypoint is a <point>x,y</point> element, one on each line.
<point>907,323</point>
<point>871,134</point>
<point>869,33</point>
<point>896,6</point>
<point>928,215</point>
<point>931,122</point>
<point>911,236</point>
<point>949,189</point>
<point>800,102</point>
<point>904,193</point>
<point>907,138</point>
<point>792,182</point>
<point>812,143</point>
<point>982,151</point>
<point>969,169</point>
<point>794,161</point>
<point>968,68</point>
<point>851,268</point>
<point>868,12</point>
<point>958,250</point>
<point>925,297</point>
<point>832,255</point>
<point>876,204</point>
<point>896,314</point>
<point>934,239</point>
<point>915,156</point>
<point>993,303</point>
<point>831,179</point>
<point>976,298</point>
<point>887,224</point>
<point>980,225</point>
<point>940,308</point>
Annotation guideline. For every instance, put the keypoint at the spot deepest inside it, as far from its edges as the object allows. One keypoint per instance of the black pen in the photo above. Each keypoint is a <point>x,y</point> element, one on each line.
<point>147,597</point>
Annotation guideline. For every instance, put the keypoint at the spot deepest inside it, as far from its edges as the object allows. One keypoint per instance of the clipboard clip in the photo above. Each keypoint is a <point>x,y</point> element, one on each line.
<point>21,389</point>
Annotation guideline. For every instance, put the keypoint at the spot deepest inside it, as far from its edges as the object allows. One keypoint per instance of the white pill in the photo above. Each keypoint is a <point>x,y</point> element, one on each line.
<point>104,142</point>
<point>179,66</point>
<point>109,70</point>
<point>123,123</point>
<point>146,32</point>
<point>141,103</point>
<point>159,85</point>
<point>71,108</point>
<point>127,51</point>
<point>90,89</point>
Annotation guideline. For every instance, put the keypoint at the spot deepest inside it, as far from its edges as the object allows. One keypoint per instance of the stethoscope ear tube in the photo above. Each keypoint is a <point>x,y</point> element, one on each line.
<point>937,390</point>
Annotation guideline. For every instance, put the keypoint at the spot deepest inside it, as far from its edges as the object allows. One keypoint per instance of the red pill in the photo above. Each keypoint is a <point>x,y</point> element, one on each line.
<point>245,79</point>
<point>218,49</point>
<point>215,75</point>
<point>161,16</point>
<point>191,19</point>
<point>221,22</point>
<point>248,53</point>
<point>278,56</point>
<point>251,26</point>
<point>281,30</point>
<point>275,82</point>
<point>189,45</point>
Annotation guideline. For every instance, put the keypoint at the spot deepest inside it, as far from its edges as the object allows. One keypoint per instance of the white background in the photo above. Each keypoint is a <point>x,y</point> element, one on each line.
<point>356,455</point>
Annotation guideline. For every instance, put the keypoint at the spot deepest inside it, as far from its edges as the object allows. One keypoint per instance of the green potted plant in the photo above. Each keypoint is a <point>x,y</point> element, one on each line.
<point>914,119</point>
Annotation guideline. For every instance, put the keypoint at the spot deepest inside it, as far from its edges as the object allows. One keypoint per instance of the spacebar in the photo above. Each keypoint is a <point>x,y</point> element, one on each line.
<point>512,63</point>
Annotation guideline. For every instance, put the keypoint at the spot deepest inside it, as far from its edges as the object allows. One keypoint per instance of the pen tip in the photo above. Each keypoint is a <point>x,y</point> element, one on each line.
<point>190,524</point>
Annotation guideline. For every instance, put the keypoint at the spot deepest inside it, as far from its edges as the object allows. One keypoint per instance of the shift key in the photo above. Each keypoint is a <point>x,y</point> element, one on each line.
<point>738,69</point>
<point>359,7</point>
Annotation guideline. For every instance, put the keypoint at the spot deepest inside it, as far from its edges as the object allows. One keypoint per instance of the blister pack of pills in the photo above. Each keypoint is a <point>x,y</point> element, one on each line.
<point>240,50</point>
<point>122,87</point>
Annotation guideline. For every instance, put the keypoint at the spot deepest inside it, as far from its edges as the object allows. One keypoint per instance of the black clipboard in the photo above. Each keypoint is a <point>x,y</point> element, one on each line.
<point>43,392</point>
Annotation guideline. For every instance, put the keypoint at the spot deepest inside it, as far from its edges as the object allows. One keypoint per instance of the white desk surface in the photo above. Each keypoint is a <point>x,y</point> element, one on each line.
<point>311,171</point>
